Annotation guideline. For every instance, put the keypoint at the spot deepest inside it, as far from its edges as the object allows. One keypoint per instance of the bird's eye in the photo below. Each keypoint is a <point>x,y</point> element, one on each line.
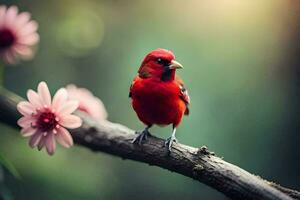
<point>162,62</point>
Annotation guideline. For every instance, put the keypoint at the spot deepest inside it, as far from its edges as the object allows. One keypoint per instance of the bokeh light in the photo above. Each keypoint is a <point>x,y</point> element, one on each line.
<point>80,29</point>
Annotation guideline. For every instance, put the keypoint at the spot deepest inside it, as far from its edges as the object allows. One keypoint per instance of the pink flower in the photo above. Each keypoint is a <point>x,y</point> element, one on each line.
<point>17,35</point>
<point>88,103</point>
<point>45,121</point>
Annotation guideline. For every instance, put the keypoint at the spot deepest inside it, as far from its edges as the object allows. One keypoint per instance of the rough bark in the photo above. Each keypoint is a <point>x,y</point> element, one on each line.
<point>196,163</point>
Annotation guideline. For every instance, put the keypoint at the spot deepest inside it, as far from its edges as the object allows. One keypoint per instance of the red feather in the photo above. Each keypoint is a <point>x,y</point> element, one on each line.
<point>159,97</point>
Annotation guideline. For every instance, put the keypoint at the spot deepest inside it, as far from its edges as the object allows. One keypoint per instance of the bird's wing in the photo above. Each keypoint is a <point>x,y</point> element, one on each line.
<point>183,95</point>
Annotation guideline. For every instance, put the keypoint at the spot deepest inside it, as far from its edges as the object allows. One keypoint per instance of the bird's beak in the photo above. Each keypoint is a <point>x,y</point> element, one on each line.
<point>175,65</point>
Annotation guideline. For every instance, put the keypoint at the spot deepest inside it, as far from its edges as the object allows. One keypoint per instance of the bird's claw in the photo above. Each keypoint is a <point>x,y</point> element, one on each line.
<point>143,136</point>
<point>169,142</point>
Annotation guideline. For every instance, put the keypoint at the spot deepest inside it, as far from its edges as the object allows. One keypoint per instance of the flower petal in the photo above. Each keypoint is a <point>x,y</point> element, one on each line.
<point>69,107</point>
<point>50,144</point>
<point>44,93</point>
<point>22,19</point>
<point>9,57</point>
<point>70,121</point>
<point>100,113</point>
<point>26,121</point>
<point>34,98</point>
<point>35,139</point>
<point>59,98</point>
<point>23,51</point>
<point>64,138</point>
<point>41,144</point>
<point>2,14</point>
<point>11,15</point>
<point>29,40</point>
<point>28,28</point>
<point>88,103</point>
<point>28,131</point>
<point>25,108</point>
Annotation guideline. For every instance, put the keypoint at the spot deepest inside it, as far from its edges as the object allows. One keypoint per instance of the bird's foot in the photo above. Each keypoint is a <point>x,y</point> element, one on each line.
<point>169,142</point>
<point>143,136</point>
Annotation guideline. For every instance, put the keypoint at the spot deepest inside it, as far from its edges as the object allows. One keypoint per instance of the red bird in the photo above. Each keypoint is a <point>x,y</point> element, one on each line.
<point>158,95</point>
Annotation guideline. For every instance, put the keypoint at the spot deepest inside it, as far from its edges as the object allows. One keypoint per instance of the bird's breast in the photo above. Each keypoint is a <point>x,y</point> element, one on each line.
<point>157,102</point>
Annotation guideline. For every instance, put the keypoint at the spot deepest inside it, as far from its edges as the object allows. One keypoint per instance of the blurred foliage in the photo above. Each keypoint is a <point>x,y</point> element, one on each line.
<point>5,192</point>
<point>4,162</point>
<point>233,53</point>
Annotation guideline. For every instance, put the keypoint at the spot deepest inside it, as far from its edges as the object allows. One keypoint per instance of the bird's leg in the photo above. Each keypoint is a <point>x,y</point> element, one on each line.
<point>142,136</point>
<point>171,139</point>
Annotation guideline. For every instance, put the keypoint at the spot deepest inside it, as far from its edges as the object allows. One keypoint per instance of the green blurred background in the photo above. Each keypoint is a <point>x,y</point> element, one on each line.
<point>242,70</point>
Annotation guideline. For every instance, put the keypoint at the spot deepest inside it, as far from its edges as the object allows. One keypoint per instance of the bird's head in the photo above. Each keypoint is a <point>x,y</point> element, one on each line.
<point>159,63</point>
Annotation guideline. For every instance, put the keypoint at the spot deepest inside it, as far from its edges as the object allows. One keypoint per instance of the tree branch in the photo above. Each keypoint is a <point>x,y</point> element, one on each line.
<point>196,163</point>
